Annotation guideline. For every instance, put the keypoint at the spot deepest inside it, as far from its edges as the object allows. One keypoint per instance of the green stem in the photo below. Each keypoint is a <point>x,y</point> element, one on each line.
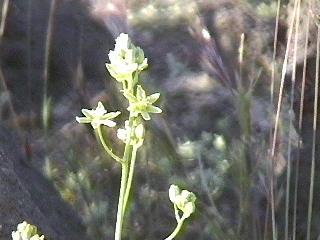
<point>130,176</point>
<point>126,157</point>
<point>106,148</point>
<point>176,230</point>
<point>120,213</point>
<point>123,185</point>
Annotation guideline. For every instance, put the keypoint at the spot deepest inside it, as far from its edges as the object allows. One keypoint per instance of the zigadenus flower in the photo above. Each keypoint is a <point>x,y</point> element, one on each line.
<point>98,116</point>
<point>142,104</point>
<point>26,231</point>
<point>125,59</point>
<point>183,200</point>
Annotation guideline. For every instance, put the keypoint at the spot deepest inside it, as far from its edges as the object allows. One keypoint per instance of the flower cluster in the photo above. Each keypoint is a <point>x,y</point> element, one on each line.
<point>126,62</point>
<point>125,59</point>
<point>182,200</point>
<point>26,231</point>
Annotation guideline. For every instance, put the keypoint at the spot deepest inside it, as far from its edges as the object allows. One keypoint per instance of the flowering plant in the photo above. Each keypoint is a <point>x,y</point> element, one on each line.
<point>126,63</point>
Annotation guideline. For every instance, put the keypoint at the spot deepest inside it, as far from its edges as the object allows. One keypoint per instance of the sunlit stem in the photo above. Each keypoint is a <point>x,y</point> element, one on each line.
<point>130,176</point>
<point>176,230</point>
<point>124,181</point>
<point>106,148</point>
<point>176,213</point>
<point>120,212</point>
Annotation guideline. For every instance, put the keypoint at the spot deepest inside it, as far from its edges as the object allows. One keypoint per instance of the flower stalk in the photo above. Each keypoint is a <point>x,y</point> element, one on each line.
<point>176,230</point>
<point>130,176</point>
<point>106,148</point>
<point>120,212</point>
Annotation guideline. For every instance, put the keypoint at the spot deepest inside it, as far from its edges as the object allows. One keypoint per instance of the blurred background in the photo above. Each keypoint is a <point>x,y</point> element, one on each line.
<point>238,83</point>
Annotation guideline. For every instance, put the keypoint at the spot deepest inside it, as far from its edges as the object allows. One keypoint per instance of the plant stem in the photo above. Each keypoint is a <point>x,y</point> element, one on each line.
<point>124,181</point>
<point>176,230</point>
<point>176,213</point>
<point>128,147</point>
<point>126,158</point>
<point>120,213</point>
<point>106,148</point>
<point>130,176</point>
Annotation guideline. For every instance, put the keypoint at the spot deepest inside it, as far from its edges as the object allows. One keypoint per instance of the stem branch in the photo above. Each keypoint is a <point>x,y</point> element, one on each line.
<point>120,213</point>
<point>176,230</point>
<point>124,181</point>
<point>130,176</point>
<point>106,148</point>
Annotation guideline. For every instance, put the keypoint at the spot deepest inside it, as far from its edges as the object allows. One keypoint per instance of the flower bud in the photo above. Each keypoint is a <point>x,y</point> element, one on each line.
<point>183,200</point>
<point>26,231</point>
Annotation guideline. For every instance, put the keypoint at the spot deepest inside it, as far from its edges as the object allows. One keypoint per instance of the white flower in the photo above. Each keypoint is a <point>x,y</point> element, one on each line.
<point>183,200</point>
<point>122,42</point>
<point>125,59</point>
<point>26,231</point>
<point>98,116</point>
<point>143,104</point>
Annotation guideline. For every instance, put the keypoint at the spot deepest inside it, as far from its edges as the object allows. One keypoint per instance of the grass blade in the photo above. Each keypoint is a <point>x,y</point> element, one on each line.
<point>301,108</point>
<point>293,80</point>
<point>315,114</point>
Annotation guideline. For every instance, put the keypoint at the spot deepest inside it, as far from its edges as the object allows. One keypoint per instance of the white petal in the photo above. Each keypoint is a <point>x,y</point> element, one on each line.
<point>122,134</point>
<point>153,98</point>
<point>95,124</point>
<point>108,123</point>
<point>112,57</point>
<point>139,132</point>
<point>146,116</point>
<point>122,42</point>
<point>100,110</point>
<point>83,120</point>
<point>173,193</point>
